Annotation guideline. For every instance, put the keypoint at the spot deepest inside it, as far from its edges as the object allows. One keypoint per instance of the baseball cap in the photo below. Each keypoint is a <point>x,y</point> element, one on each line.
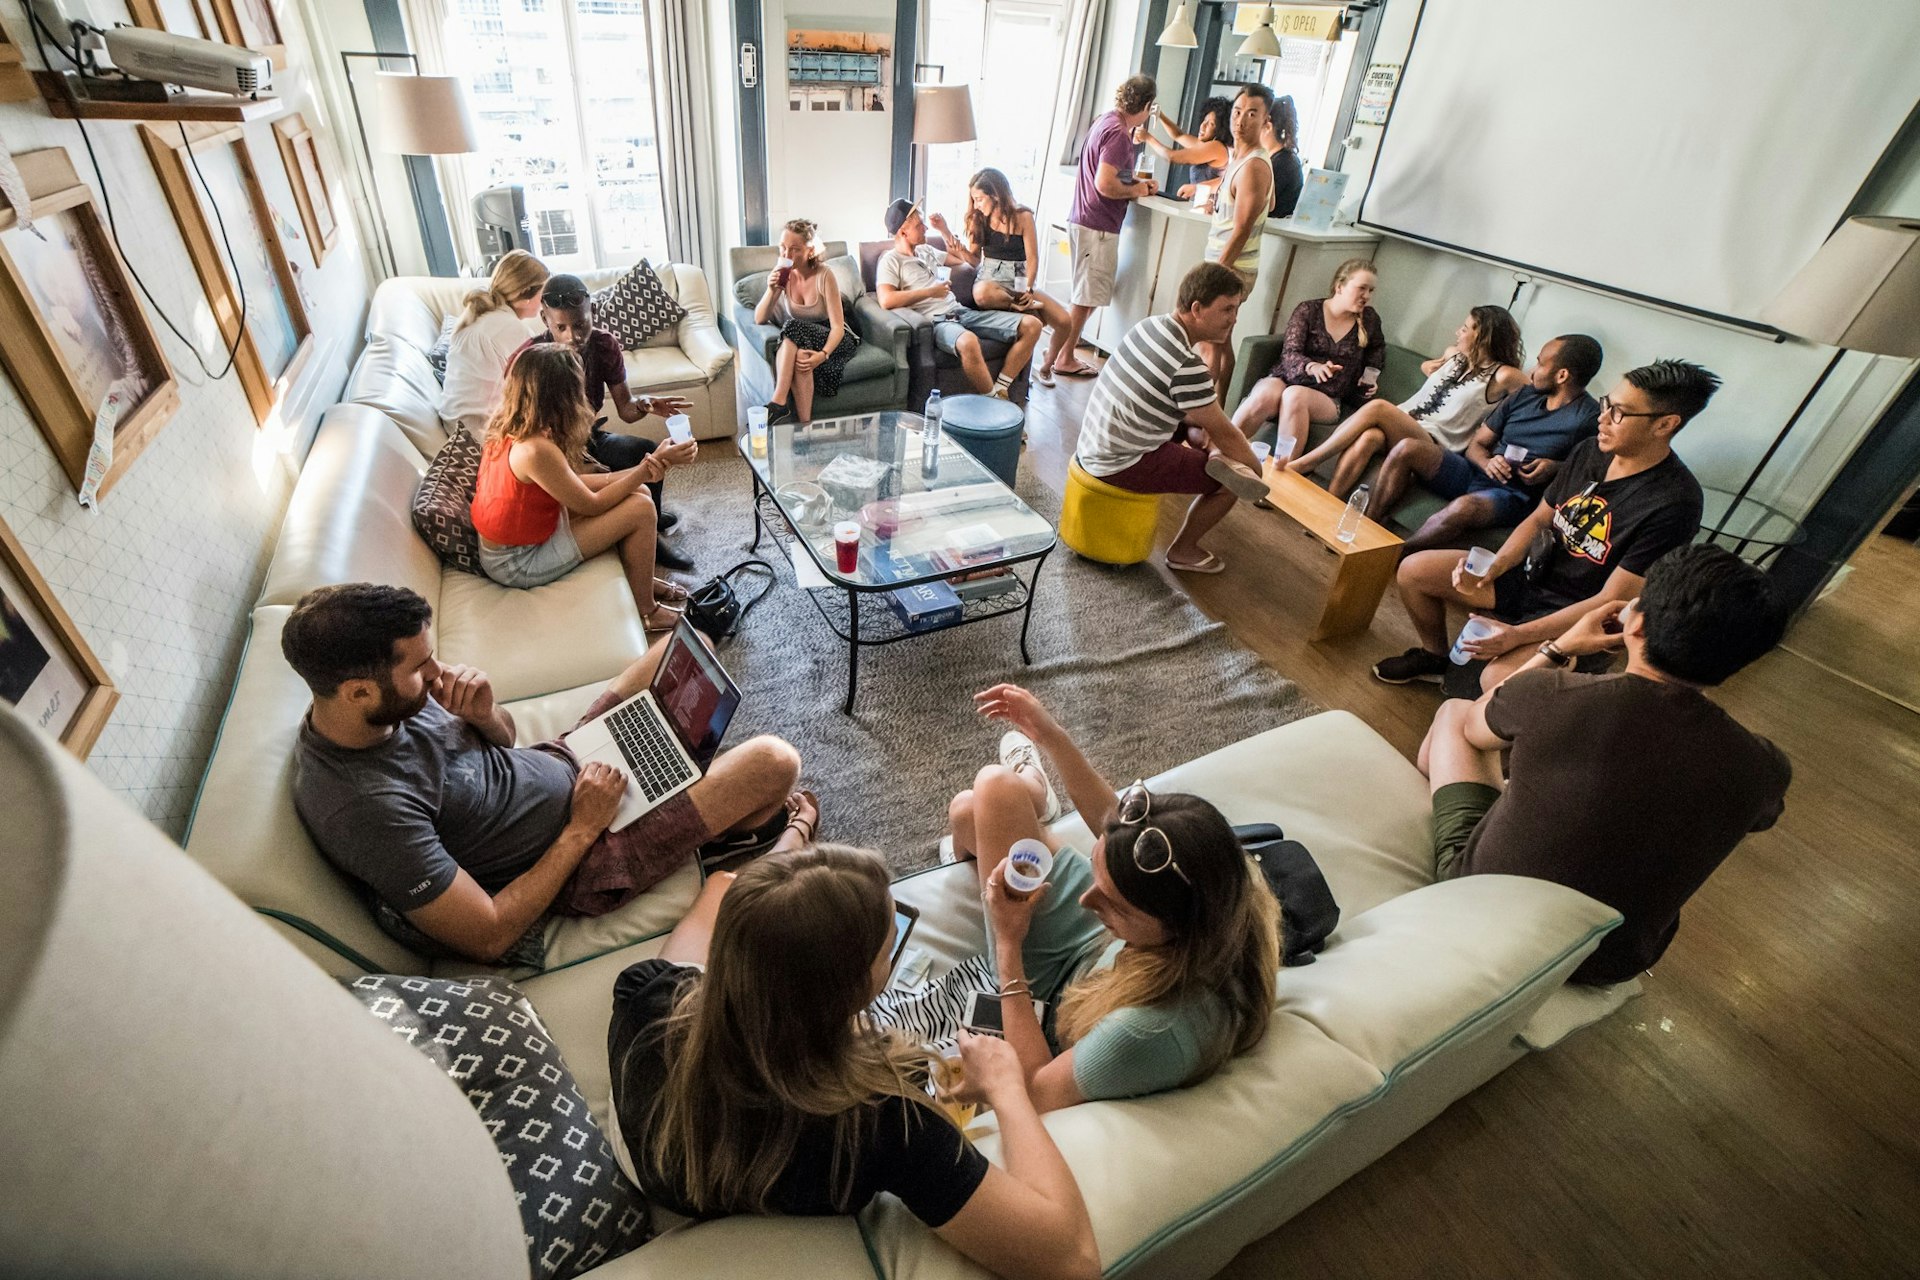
<point>564,291</point>
<point>897,214</point>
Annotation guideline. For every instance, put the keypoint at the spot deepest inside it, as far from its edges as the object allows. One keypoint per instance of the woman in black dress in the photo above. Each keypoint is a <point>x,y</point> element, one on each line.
<point>1329,365</point>
<point>815,343</point>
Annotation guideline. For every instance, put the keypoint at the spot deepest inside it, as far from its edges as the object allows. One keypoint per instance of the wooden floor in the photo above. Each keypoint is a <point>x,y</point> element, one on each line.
<point>1867,628</point>
<point>1757,1111</point>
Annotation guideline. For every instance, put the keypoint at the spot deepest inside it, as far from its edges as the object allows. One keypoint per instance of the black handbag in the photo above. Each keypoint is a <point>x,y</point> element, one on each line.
<point>716,610</point>
<point>1308,912</point>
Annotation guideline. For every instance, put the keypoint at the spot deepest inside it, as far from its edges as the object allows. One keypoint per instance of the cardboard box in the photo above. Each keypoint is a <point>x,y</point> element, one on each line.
<point>927,606</point>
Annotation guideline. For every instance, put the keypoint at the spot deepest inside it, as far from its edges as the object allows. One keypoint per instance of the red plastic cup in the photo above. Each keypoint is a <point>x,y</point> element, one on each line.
<point>846,545</point>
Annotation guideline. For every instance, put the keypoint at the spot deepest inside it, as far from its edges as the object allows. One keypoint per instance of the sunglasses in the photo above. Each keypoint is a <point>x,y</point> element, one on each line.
<point>1152,849</point>
<point>564,300</point>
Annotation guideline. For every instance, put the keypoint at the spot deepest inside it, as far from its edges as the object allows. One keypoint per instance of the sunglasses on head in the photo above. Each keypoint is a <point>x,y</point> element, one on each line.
<point>1152,848</point>
<point>568,299</point>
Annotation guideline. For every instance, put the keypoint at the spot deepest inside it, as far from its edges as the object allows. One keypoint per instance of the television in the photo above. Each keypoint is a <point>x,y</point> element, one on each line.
<point>500,222</point>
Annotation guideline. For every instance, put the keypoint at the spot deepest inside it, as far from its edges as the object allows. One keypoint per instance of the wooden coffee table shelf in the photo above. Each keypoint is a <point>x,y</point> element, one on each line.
<point>1366,565</point>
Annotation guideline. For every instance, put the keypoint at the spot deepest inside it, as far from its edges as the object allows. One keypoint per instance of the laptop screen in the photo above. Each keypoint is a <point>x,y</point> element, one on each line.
<point>695,693</point>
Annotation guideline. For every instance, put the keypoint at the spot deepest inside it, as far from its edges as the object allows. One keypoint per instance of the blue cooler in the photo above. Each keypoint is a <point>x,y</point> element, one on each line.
<point>989,429</point>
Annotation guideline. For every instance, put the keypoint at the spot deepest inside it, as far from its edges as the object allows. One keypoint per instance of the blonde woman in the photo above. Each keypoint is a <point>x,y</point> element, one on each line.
<point>758,1085</point>
<point>537,516</point>
<point>1330,361</point>
<point>492,326</point>
<point>1155,953</point>
<point>815,343</point>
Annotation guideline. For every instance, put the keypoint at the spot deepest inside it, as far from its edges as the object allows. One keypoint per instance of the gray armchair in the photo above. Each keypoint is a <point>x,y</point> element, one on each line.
<point>877,375</point>
<point>933,366</point>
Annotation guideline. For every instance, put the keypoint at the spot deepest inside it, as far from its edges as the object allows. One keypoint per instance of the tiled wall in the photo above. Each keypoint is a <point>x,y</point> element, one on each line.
<point>161,577</point>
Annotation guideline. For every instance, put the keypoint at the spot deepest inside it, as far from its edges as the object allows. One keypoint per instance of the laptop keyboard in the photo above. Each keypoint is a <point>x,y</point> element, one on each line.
<point>653,757</point>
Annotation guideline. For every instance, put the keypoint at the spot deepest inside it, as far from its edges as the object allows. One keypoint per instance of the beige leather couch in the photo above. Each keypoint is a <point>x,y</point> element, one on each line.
<point>693,361</point>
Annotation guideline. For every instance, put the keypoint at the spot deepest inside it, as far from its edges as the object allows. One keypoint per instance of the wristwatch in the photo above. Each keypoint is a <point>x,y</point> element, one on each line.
<point>1551,652</point>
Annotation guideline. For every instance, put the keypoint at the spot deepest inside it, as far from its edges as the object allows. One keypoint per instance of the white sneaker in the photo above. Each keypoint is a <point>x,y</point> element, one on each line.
<point>1017,752</point>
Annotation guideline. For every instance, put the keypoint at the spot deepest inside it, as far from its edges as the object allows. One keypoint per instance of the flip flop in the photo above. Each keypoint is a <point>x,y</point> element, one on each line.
<point>1075,370</point>
<point>1043,376</point>
<point>1212,564</point>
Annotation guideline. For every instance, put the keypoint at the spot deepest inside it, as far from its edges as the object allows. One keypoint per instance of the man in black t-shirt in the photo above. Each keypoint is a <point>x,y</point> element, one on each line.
<point>1621,502</point>
<point>1633,787</point>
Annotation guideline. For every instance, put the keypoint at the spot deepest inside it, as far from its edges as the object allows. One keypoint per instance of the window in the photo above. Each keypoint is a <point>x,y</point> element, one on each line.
<point>1313,72</point>
<point>1009,51</point>
<point>564,104</point>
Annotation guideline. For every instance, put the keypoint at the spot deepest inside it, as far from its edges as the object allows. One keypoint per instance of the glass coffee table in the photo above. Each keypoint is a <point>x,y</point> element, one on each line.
<point>940,547</point>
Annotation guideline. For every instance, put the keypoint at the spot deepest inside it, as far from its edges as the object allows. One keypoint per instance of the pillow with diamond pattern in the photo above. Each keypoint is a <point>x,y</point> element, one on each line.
<point>635,307</point>
<point>576,1207</point>
<point>443,504</point>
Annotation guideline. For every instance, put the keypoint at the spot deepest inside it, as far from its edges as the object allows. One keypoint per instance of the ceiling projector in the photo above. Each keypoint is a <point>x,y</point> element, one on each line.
<point>157,56</point>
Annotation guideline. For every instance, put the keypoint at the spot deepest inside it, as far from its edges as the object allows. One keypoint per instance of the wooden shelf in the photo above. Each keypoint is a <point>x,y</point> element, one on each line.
<point>192,108</point>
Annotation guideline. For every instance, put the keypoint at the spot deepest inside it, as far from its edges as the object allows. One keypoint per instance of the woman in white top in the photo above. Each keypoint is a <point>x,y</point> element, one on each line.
<point>1464,382</point>
<point>492,326</point>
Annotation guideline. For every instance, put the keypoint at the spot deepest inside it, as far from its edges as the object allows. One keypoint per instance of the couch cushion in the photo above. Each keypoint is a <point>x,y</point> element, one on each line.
<point>511,633</point>
<point>350,516</point>
<point>636,307</point>
<point>412,309</point>
<point>398,380</point>
<point>443,504</point>
<point>846,274</point>
<point>662,369</point>
<point>576,1206</point>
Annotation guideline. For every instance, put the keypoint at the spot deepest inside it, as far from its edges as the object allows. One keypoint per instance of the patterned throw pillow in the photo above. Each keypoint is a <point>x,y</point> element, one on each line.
<point>635,307</point>
<point>437,357</point>
<point>443,504</point>
<point>577,1209</point>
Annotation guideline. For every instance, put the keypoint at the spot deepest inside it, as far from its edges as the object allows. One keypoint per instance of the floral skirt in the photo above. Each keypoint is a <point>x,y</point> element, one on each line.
<point>811,335</point>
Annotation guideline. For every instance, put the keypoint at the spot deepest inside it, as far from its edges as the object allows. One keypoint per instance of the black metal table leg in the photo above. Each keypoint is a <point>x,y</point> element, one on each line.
<point>1026,614</point>
<point>754,492</point>
<point>853,648</point>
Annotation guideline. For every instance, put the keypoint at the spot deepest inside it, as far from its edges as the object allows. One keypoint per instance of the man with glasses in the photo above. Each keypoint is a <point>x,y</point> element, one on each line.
<point>1619,503</point>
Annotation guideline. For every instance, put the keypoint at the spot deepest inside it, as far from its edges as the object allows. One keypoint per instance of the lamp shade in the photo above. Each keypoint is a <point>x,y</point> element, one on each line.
<point>1861,291</point>
<point>1263,43</point>
<point>943,113</point>
<point>422,116</point>
<point>1179,33</point>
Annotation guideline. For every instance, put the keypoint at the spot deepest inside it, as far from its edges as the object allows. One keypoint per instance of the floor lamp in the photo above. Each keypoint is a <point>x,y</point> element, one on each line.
<point>417,115</point>
<point>942,113</point>
<point>1861,292</point>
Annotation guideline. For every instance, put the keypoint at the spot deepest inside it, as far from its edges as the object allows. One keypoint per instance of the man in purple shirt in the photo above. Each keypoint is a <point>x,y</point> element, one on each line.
<point>1100,196</point>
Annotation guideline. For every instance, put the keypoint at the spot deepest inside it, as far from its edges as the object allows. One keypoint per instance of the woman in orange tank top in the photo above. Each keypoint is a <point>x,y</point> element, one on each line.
<point>537,516</point>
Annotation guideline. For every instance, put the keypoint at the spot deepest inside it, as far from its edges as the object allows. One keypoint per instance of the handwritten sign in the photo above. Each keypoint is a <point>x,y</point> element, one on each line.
<point>1376,93</point>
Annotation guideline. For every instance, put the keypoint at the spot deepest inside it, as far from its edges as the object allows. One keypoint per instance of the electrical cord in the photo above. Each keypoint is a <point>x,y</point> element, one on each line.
<point>113,229</point>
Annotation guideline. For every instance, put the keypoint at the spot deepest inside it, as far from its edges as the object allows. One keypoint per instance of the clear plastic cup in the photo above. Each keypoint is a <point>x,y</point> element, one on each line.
<point>1474,630</point>
<point>1020,284</point>
<point>1261,452</point>
<point>680,428</point>
<point>1515,453</point>
<point>1027,865</point>
<point>1283,449</point>
<point>1479,562</point>
<point>846,545</point>
<point>757,430</point>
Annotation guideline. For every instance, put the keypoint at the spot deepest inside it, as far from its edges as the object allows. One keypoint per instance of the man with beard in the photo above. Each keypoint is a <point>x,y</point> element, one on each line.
<point>407,778</point>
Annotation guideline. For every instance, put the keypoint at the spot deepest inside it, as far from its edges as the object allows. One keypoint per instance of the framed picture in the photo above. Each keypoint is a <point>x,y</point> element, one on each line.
<point>198,18</point>
<point>16,82</point>
<point>47,671</point>
<point>300,153</point>
<point>71,332</point>
<point>251,24</point>
<point>207,167</point>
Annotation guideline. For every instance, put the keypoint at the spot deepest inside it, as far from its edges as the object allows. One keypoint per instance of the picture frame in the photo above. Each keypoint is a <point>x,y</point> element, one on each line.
<point>71,328</point>
<point>300,153</point>
<point>16,82</point>
<point>274,336</point>
<point>47,670</point>
<point>250,24</point>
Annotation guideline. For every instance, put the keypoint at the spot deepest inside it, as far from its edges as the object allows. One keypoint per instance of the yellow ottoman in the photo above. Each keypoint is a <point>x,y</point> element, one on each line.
<point>1105,523</point>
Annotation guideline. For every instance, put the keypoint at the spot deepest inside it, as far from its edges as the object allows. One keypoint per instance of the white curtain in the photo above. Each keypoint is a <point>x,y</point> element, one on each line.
<point>1082,96</point>
<point>427,34</point>
<point>683,91</point>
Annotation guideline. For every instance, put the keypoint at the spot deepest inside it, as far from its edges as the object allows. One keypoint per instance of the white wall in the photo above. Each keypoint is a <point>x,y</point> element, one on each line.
<point>160,579</point>
<point>833,167</point>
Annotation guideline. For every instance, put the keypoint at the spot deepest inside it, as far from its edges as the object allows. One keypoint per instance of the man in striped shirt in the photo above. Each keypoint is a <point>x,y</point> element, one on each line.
<point>1153,425</point>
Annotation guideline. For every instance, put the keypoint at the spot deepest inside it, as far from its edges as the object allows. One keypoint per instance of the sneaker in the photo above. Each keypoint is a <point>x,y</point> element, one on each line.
<point>1243,482</point>
<point>777,414</point>
<point>1415,664</point>
<point>1017,752</point>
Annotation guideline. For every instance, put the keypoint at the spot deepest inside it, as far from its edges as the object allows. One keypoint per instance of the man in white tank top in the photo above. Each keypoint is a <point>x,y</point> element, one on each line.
<point>1239,212</point>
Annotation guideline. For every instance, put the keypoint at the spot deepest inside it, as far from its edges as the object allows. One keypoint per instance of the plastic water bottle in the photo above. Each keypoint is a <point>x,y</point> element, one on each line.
<point>1353,516</point>
<point>930,436</point>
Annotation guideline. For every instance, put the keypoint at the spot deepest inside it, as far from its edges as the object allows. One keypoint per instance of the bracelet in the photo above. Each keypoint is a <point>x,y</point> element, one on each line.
<point>1552,653</point>
<point>1018,987</point>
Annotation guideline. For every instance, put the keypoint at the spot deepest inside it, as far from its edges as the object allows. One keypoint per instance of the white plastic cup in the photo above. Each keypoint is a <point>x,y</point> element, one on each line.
<point>1261,452</point>
<point>1479,562</point>
<point>1474,630</point>
<point>680,428</point>
<point>1019,283</point>
<point>1515,453</point>
<point>1026,868</point>
<point>1283,449</point>
<point>1369,376</point>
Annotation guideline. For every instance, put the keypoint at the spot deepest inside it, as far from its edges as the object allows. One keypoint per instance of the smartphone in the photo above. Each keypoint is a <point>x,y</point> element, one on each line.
<point>983,1014</point>
<point>905,916</point>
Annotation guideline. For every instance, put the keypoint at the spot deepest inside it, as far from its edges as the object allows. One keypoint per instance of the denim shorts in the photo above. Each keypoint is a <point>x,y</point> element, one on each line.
<point>537,563</point>
<point>999,326</point>
<point>1001,271</point>
<point>1457,477</point>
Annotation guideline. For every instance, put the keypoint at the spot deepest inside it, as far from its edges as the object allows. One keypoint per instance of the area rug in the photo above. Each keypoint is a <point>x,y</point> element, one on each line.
<point>1141,677</point>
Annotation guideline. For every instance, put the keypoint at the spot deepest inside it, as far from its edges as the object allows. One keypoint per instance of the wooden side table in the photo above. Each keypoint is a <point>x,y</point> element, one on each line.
<point>1366,565</point>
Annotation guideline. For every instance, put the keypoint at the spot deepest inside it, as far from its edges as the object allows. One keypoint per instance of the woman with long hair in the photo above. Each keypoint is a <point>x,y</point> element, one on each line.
<point>1330,359</point>
<point>1001,242</point>
<point>759,1085</point>
<point>537,516</point>
<point>491,327</point>
<point>815,342</point>
<point>1281,140</point>
<point>1464,382</point>
<point>1205,148</point>
<point>1156,953</point>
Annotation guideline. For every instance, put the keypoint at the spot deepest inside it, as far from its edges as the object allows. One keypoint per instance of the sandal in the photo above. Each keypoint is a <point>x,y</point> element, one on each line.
<point>1210,564</point>
<point>667,591</point>
<point>1075,370</point>
<point>673,613</point>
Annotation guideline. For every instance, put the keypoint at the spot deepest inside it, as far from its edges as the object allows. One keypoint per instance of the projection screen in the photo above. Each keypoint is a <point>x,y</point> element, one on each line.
<point>1694,152</point>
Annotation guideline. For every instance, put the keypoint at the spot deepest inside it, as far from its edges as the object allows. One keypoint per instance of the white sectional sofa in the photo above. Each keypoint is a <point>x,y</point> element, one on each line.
<point>1425,990</point>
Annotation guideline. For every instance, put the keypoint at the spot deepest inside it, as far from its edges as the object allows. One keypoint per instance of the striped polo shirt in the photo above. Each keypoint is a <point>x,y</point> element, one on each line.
<point>1148,386</point>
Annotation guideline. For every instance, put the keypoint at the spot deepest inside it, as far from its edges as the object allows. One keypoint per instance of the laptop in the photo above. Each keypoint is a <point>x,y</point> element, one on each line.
<point>664,737</point>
